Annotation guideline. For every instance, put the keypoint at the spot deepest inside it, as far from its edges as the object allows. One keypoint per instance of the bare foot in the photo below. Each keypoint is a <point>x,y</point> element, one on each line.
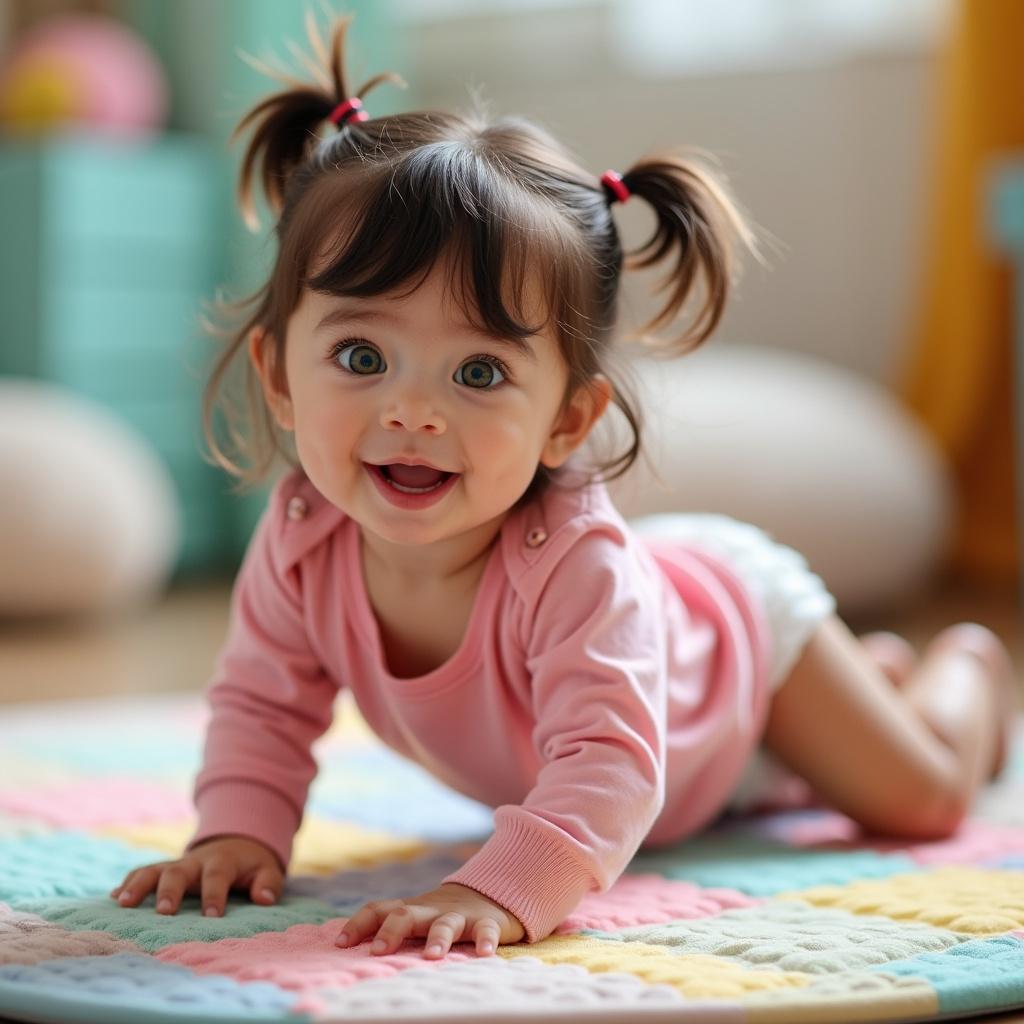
<point>895,656</point>
<point>982,643</point>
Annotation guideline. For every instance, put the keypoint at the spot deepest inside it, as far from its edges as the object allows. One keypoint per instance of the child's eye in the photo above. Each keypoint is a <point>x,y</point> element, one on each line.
<point>480,371</point>
<point>362,359</point>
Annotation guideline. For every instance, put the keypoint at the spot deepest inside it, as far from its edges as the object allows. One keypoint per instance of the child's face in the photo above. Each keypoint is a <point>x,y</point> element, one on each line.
<point>416,382</point>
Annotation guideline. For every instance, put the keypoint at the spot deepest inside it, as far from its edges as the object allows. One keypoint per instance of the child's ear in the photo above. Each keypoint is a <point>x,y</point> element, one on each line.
<point>586,407</point>
<point>261,354</point>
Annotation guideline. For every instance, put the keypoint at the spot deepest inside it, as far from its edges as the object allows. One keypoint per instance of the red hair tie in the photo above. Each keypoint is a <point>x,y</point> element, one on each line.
<point>350,110</point>
<point>613,180</point>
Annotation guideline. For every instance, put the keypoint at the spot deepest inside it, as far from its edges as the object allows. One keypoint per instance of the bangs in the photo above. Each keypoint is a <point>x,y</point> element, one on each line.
<point>507,251</point>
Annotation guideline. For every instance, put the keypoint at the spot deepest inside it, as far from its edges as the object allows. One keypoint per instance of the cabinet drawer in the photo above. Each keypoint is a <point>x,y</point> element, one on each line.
<point>119,342</point>
<point>150,188</point>
<point>123,262</point>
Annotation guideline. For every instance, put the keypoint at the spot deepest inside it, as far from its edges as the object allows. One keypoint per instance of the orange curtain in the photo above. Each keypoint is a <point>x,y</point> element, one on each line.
<point>960,380</point>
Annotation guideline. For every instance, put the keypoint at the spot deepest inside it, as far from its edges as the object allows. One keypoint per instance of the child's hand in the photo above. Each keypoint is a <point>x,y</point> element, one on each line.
<point>451,913</point>
<point>212,868</point>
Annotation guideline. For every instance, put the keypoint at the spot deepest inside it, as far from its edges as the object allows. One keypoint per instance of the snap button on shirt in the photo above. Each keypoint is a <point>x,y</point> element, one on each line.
<point>536,537</point>
<point>297,508</point>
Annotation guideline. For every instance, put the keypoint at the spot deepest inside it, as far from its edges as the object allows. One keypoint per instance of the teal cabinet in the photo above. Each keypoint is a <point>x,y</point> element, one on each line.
<point>108,253</point>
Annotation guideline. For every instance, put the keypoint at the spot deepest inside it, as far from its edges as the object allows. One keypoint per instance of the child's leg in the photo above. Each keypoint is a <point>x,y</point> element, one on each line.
<point>892,654</point>
<point>901,762</point>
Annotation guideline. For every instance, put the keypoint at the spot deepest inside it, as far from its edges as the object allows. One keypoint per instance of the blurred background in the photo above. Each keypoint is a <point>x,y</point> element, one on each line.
<point>861,400</point>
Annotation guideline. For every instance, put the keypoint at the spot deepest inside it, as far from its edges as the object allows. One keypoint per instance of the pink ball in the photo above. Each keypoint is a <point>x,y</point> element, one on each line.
<point>83,70</point>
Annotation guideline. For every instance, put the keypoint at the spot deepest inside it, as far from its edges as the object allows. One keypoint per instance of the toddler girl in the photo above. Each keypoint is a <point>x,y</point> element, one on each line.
<point>434,339</point>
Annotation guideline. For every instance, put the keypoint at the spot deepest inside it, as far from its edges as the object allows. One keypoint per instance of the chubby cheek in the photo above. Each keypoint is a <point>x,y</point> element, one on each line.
<point>324,437</point>
<point>503,452</point>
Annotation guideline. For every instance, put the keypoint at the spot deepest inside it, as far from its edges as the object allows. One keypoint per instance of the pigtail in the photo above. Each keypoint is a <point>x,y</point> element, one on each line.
<point>697,219</point>
<point>287,123</point>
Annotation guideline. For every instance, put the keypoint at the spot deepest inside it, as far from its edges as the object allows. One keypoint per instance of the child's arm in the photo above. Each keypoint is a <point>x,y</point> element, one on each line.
<point>596,655</point>
<point>270,699</point>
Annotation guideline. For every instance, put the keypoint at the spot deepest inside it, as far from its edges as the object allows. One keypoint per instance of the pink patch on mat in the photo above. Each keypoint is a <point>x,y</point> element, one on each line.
<point>649,899</point>
<point>974,842</point>
<point>302,958</point>
<point>97,802</point>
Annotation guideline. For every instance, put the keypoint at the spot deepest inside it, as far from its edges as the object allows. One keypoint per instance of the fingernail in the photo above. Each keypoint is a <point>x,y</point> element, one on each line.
<point>124,897</point>
<point>164,905</point>
<point>379,945</point>
<point>343,939</point>
<point>211,912</point>
<point>487,949</point>
<point>434,948</point>
<point>266,894</point>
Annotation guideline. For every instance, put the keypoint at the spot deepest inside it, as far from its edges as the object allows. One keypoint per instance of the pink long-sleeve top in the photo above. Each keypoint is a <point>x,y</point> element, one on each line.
<point>606,694</point>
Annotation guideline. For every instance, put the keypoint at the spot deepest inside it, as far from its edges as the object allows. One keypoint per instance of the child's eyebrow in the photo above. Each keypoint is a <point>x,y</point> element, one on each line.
<point>345,314</point>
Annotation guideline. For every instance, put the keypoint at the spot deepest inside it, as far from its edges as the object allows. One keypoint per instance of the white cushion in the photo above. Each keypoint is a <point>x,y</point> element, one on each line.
<point>89,517</point>
<point>821,458</point>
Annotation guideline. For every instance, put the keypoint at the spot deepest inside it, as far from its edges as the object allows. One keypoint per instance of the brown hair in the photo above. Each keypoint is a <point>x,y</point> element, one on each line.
<point>373,205</point>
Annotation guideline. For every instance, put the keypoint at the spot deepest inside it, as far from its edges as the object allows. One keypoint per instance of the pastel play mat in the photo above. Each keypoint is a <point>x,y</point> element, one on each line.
<point>791,916</point>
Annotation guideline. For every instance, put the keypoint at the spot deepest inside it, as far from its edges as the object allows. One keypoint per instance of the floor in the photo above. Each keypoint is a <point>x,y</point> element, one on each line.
<point>168,646</point>
<point>172,644</point>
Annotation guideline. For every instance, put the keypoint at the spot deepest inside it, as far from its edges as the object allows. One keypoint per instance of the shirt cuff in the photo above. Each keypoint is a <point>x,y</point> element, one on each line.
<point>529,868</point>
<point>247,809</point>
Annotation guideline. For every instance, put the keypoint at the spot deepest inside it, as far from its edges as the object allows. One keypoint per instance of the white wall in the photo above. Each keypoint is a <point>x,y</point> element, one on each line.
<point>832,159</point>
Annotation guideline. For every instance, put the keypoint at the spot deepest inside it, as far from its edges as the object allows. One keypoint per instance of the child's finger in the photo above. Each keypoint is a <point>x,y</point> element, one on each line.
<point>487,936</point>
<point>173,883</point>
<point>138,885</point>
<point>266,886</point>
<point>366,920</point>
<point>125,884</point>
<point>218,875</point>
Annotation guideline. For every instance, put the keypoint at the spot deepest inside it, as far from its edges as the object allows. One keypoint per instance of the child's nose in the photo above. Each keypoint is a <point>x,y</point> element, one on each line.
<point>413,410</point>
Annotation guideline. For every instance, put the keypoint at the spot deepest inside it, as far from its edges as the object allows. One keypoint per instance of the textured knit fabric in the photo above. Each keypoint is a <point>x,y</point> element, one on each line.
<point>798,917</point>
<point>607,692</point>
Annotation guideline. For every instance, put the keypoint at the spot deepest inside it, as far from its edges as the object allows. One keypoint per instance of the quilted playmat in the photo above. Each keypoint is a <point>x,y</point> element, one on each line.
<point>791,916</point>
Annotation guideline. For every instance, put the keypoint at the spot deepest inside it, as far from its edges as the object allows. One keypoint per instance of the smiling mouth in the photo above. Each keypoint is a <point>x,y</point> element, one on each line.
<point>385,472</point>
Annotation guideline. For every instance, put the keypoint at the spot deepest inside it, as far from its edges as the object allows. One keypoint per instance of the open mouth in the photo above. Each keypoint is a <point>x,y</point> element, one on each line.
<point>438,478</point>
<point>412,487</point>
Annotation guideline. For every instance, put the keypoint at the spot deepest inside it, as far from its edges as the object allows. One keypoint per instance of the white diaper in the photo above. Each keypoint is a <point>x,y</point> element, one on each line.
<point>795,601</point>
